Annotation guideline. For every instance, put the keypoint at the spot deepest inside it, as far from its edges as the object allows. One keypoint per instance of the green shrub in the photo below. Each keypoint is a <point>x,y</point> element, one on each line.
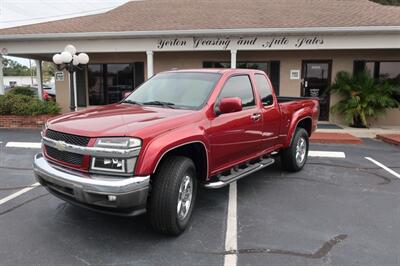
<point>363,97</point>
<point>17,104</point>
<point>23,91</point>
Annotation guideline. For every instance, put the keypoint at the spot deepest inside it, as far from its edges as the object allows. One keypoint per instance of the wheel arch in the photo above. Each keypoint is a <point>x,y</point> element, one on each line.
<point>196,151</point>
<point>304,122</point>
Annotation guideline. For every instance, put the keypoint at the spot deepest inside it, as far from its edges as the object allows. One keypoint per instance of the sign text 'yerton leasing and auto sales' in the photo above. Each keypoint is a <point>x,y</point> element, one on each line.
<point>227,43</point>
<point>211,43</point>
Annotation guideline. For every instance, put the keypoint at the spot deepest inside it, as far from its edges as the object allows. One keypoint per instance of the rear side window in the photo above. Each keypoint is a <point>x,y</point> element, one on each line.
<point>264,89</point>
<point>239,86</point>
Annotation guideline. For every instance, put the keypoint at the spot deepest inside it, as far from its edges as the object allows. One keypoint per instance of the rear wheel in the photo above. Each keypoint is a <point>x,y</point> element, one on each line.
<point>295,156</point>
<point>173,194</point>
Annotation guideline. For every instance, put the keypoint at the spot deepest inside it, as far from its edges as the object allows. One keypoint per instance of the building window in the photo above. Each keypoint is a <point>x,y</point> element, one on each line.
<point>108,83</point>
<point>386,70</point>
<point>272,68</point>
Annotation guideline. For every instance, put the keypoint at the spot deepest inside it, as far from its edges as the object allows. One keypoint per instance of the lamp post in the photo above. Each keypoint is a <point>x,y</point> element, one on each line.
<point>69,60</point>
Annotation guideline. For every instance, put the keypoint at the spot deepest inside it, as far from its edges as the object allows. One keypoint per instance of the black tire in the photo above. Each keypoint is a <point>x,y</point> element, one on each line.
<point>288,156</point>
<point>162,207</point>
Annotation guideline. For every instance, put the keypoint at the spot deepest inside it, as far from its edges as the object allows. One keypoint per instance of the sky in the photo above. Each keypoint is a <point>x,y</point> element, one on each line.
<point>22,12</point>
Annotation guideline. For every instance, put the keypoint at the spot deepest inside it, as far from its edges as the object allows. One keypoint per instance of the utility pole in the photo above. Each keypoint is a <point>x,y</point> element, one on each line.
<point>1,76</point>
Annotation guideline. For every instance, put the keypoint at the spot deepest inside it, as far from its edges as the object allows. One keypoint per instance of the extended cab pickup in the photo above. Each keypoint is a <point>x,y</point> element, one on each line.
<point>178,130</point>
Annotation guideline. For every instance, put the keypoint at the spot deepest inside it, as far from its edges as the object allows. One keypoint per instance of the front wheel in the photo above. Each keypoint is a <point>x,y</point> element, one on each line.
<point>295,156</point>
<point>173,194</point>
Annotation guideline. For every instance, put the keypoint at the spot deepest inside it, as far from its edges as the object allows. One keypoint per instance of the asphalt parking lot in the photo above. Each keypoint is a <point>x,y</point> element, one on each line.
<point>337,211</point>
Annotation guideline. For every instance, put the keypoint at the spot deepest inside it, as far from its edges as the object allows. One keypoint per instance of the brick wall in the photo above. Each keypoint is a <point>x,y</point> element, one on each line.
<point>19,121</point>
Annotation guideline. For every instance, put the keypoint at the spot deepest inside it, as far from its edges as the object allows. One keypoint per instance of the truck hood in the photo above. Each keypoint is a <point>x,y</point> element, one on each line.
<point>119,120</point>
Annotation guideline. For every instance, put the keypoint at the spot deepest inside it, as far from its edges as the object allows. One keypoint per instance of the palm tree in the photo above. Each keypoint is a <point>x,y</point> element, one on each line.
<point>363,97</point>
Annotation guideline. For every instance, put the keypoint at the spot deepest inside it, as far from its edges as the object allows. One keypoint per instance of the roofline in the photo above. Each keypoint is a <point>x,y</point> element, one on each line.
<point>202,32</point>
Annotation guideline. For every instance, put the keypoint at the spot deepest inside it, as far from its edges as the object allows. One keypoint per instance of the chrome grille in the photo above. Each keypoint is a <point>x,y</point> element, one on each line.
<point>68,138</point>
<point>64,156</point>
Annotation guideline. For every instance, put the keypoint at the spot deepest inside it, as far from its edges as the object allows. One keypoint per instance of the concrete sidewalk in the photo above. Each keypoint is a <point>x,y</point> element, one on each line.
<point>363,132</point>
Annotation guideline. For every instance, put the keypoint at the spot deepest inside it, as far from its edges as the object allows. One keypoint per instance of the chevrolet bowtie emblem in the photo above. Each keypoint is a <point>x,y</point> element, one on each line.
<point>60,145</point>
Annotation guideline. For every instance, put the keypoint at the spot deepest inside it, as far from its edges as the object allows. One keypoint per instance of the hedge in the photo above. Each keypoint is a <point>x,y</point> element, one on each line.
<point>23,91</point>
<point>19,104</point>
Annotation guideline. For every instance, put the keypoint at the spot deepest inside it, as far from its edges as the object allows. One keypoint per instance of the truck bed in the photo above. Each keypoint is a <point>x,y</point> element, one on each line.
<point>284,99</point>
<point>291,105</point>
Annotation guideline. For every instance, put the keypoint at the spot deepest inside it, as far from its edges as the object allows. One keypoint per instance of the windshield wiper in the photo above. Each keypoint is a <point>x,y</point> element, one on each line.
<point>164,104</point>
<point>131,102</point>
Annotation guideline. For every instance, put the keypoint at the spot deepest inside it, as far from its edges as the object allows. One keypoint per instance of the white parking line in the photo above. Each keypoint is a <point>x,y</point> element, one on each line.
<point>330,154</point>
<point>18,193</point>
<point>29,145</point>
<point>231,228</point>
<point>383,167</point>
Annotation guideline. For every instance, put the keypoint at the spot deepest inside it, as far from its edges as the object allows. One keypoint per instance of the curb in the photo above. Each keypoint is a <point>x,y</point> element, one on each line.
<point>334,138</point>
<point>389,138</point>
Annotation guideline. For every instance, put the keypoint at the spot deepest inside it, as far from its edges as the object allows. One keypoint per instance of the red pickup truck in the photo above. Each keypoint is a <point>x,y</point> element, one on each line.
<point>178,130</point>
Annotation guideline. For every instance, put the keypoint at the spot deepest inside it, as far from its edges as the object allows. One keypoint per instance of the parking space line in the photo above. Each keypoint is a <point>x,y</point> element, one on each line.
<point>383,167</point>
<point>231,228</point>
<point>330,154</point>
<point>18,193</point>
<point>29,145</point>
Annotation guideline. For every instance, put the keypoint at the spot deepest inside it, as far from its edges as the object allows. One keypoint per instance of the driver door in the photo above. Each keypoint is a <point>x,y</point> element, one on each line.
<point>236,136</point>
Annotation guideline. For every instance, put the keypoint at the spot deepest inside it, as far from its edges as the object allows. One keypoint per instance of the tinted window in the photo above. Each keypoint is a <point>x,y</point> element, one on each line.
<point>108,83</point>
<point>390,71</point>
<point>239,86</point>
<point>264,89</point>
<point>180,89</point>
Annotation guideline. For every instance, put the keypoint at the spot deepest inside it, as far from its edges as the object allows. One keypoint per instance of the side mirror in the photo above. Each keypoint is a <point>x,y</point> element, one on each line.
<point>230,105</point>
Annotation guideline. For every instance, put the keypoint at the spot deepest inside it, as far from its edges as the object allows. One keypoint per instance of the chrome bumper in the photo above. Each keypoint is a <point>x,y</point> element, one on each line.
<point>116,195</point>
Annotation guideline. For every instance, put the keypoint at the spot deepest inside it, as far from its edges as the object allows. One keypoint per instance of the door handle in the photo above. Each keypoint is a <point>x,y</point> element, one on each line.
<point>256,116</point>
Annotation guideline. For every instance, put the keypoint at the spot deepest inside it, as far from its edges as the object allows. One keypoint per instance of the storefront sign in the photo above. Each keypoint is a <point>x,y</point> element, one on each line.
<point>294,74</point>
<point>228,43</point>
<point>59,76</point>
<point>314,92</point>
<point>255,43</point>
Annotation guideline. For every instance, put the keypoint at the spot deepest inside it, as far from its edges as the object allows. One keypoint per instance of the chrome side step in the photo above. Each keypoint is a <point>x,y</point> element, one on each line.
<point>238,172</point>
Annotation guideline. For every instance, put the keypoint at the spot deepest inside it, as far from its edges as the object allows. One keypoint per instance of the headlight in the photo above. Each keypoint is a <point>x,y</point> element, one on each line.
<point>118,143</point>
<point>115,165</point>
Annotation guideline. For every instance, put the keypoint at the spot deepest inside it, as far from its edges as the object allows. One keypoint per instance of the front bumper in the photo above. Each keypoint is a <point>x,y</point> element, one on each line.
<point>107,194</point>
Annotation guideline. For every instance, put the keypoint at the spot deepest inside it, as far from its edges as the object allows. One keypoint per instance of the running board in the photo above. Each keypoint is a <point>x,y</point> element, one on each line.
<point>237,173</point>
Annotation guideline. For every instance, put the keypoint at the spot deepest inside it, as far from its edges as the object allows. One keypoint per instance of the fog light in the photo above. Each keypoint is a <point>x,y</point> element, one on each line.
<point>116,165</point>
<point>112,198</point>
<point>108,164</point>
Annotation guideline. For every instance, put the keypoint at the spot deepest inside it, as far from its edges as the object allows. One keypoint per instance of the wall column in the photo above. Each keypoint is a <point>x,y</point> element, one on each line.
<point>1,76</point>
<point>150,64</point>
<point>39,78</point>
<point>233,58</point>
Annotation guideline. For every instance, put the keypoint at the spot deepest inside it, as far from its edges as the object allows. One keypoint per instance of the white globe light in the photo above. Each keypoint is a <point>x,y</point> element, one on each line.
<point>83,58</point>
<point>70,48</point>
<point>75,60</point>
<point>57,59</point>
<point>66,57</point>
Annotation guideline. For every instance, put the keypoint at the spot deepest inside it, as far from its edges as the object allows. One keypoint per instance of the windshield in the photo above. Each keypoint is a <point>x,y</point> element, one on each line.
<point>175,90</point>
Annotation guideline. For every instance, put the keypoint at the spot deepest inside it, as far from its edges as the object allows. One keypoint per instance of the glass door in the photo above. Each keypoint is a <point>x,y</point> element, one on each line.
<point>316,80</point>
